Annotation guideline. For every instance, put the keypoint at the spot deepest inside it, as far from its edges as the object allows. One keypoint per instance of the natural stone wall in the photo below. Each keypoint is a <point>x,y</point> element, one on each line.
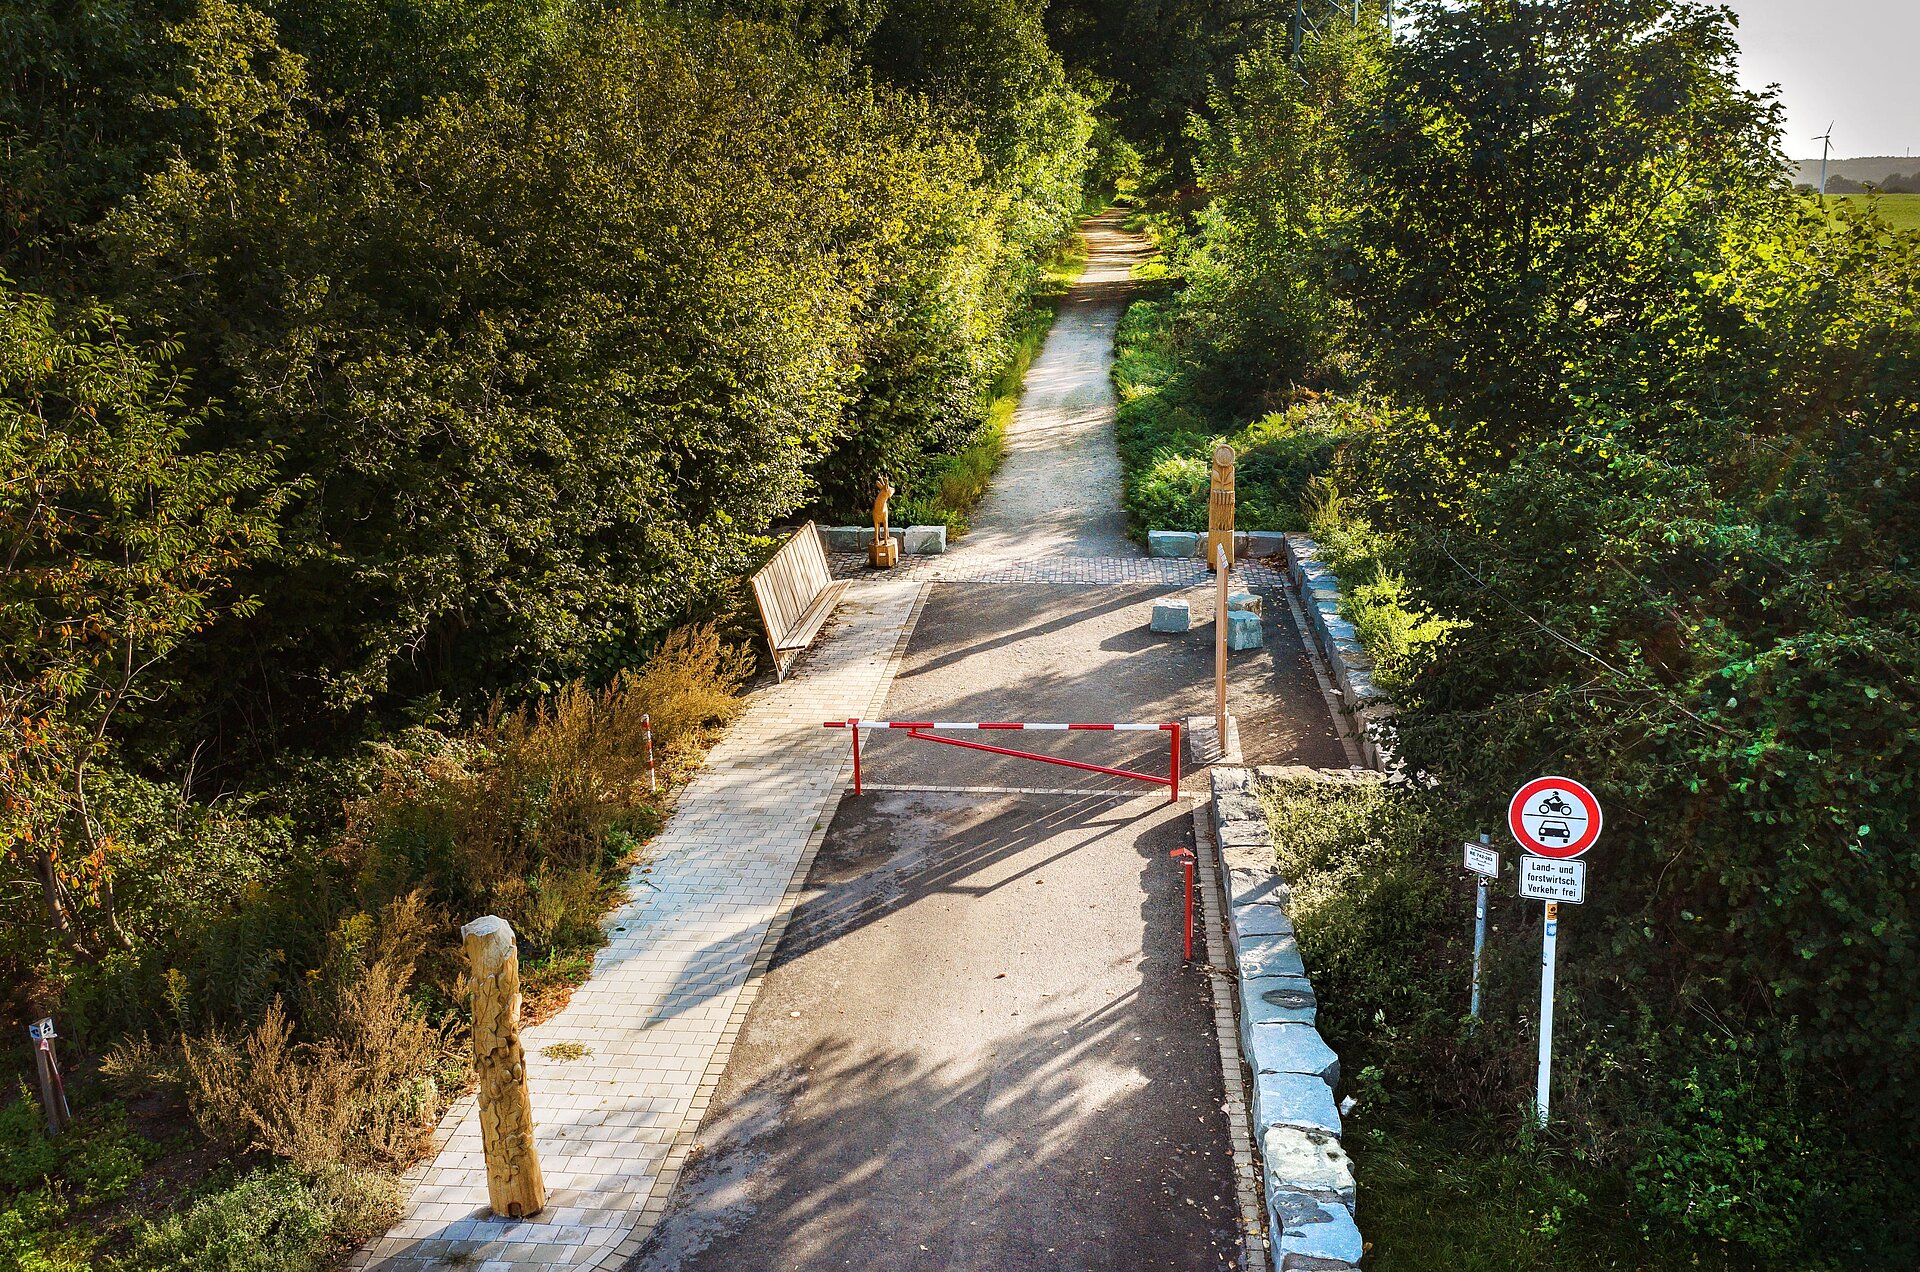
<point>1308,1179</point>
<point>913,540</point>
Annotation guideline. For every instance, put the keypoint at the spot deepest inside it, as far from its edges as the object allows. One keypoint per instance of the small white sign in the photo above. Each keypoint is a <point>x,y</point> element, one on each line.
<point>41,1030</point>
<point>1549,879</point>
<point>1483,860</point>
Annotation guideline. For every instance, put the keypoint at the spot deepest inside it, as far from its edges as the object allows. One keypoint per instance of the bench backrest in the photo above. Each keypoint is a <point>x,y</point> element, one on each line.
<point>789,583</point>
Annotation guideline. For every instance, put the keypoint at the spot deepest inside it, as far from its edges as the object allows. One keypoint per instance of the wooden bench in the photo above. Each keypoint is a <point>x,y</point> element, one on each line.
<point>795,593</point>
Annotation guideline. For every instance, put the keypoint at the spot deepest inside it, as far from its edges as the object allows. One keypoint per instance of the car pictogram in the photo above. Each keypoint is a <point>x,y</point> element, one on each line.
<point>1554,830</point>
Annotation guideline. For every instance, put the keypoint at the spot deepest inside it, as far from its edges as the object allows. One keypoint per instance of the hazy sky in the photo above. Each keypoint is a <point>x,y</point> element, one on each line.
<point>1855,62</point>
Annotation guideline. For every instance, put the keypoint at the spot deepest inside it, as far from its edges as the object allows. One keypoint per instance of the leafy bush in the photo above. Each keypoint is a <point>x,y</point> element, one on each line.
<point>274,1220</point>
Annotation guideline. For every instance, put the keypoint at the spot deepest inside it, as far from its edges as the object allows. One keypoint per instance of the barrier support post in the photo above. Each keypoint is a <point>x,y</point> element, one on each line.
<point>1173,764</point>
<point>853,727</point>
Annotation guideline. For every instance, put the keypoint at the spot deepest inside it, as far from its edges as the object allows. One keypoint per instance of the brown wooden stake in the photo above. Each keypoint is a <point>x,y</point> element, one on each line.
<point>1220,501</point>
<point>515,1187</point>
<point>1221,564</point>
<point>53,1092</point>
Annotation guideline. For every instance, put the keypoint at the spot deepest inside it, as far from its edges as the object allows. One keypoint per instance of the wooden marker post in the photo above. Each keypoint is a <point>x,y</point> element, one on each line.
<point>883,553</point>
<point>1220,508</point>
<point>1221,562</point>
<point>515,1187</point>
<point>53,1092</point>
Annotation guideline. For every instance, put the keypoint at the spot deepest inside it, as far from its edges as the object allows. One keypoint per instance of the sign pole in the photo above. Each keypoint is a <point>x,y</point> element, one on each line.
<point>1479,941</point>
<point>1547,951</point>
<point>1220,651</point>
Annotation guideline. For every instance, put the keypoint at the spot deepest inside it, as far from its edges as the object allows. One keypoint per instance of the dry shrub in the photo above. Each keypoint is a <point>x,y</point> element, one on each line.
<point>522,814</point>
<point>363,1088</point>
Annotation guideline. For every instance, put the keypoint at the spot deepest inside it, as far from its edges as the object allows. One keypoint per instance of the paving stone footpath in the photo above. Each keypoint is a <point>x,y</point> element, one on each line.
<point>669,991</point>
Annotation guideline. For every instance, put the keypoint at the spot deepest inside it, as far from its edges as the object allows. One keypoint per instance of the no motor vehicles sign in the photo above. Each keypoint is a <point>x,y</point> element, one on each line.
<point>1554,817</point>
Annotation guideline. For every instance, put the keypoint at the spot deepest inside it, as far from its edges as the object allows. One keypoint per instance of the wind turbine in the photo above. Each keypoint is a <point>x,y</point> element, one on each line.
<point>1826,144</point>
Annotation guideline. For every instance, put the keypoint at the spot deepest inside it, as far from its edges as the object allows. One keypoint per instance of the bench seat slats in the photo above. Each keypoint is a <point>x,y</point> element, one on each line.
<point>795,592</point>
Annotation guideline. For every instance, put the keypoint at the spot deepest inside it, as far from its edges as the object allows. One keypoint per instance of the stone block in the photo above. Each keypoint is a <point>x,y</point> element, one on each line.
<point>1294,1099</point>
<point>1244,832</point>
<point>924,540</point>
<point>1242,805</point>
<point>1339,629</point>
<point>1263,543</point>
<point>1173,543</point>
<point>1232,779</point>
<point>1171,616</point>
<point>1268,956</point>
<point>1251,885</point>
<point>846,538</point>
<point>1247,601</point>
<point>1307,1161</point>
<point>1290,1047</point>
<point>1244,630</point>
<point>1312,1235</point>
<point>1275,1000</point>
<point>1261,920</point>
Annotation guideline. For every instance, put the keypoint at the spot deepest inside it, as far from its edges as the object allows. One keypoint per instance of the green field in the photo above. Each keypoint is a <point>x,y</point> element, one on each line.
<point>1902,211</point>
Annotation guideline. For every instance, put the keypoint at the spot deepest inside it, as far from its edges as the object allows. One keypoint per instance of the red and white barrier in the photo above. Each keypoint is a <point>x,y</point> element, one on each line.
<point>930,730</point>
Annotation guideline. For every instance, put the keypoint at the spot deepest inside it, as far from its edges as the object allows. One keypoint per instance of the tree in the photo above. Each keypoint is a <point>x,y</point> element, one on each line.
<point>117,548</point>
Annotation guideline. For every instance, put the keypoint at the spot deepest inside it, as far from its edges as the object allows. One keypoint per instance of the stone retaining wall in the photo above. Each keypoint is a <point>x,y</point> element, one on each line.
<point>1307,1178</point>
<point>1319,594</point>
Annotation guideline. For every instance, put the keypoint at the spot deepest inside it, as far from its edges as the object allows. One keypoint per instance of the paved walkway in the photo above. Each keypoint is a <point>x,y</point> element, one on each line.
<point>665,995</point>
<point>978,1047</point>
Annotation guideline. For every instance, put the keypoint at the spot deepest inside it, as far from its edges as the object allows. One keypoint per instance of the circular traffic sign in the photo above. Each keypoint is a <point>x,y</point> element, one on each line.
<point>1554,817</point>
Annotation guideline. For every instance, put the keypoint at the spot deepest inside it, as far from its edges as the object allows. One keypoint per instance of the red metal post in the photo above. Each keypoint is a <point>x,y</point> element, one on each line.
<point>1173,765</point>
<point>853,727</point>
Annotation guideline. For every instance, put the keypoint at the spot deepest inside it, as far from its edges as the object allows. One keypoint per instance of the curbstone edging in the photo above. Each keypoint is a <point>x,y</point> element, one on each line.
<point>1307,1178</point>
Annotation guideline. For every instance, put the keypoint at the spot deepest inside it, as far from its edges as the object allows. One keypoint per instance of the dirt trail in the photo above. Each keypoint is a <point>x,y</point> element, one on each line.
<point>1058,493</point>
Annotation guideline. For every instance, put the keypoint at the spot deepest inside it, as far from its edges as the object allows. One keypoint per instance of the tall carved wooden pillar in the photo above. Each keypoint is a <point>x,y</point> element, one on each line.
<point>515,1187</point>
<point>1220,507</point>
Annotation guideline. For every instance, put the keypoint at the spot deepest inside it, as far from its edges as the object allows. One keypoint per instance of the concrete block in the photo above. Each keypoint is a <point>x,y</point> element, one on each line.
<point>1247,601</point>
<point>924,540</point>
<point>1244,630</point>
<point>1171,616</point>
<point>1173,543</point>
<point>1308,1162</point>
<point>1294,1099</point>
<point>1291,1047</point>
<point>1231,806</point>
<point>1268,956</point>
<point>1312,1235</point>
<point>1276,1000</point>
<point>1245,832</point>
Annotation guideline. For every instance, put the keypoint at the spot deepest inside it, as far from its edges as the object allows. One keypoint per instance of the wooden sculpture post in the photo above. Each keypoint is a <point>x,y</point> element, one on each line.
<point>1220,507</point>
<point>883,553</point>
<point>515,1187</point>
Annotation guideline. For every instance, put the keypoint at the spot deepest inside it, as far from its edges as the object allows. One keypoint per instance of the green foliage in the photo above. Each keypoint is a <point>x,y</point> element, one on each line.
<point>44,1181</point>
<point>26,1154</point>
<point>272,1220</point>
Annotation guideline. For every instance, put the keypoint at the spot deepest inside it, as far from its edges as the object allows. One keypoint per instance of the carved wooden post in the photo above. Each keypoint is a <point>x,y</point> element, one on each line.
<point>515,1187</point>
<point>1220,506</point>
<point>883,553</point>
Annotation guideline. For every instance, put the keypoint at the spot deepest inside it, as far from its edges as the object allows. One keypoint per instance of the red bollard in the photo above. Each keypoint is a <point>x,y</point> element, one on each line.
<point>853,727</point>
<point>646,725</point>
<point>1186,859</point>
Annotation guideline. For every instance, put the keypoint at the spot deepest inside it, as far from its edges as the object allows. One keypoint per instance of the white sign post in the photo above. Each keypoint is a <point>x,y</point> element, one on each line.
<point>1555,819</point>
<point>1484,862</point>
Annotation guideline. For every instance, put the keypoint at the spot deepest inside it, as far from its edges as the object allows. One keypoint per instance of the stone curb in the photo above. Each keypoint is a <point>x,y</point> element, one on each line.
<point>1319,594</point>
<point>913,540</point>
<point>1307,1178</point>
<point>1193,543</point>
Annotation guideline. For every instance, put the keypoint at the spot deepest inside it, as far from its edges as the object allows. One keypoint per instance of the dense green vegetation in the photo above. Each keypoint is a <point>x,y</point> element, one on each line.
<point>1613,439</point>
<point>379,389</point>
